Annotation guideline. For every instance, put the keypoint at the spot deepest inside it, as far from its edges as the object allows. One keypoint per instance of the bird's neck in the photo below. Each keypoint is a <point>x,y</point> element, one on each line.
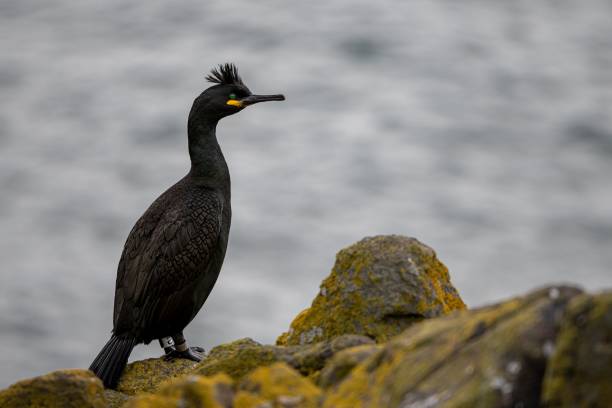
<point>208,166</point>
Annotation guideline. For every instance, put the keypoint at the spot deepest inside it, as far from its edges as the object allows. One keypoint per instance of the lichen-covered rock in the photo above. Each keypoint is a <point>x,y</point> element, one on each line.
<point>115,399</point>
<point>240,357</point>
<point>338,367</point>
<point>368,341</point>
<point>310,359</point>
<point>580,371</point>
<point>378,287</point>
<point>146,375</point>
<point>490,357</point>
<point>192,391</point>
<point>276,386</point>
<point>61,389</point>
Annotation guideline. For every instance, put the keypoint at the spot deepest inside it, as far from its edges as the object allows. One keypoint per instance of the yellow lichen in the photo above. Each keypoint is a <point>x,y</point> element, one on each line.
<point>378,287</point>
<point>115,399</point>
<point>339,366</point>
<point>146,375</point>
<point>63,388</point>
<point>458,360</point>
<point>244,399</point>
<point>238,358</point>
<point>310,359</point>
<point>280,384</point>
<point>189,391</point>
<point>152,401</point>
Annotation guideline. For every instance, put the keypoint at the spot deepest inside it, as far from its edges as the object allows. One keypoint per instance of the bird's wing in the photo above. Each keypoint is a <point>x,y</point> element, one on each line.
<point>170,245</point>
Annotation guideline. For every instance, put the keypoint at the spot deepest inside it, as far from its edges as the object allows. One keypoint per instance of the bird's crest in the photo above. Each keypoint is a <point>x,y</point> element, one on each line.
<point>225,74</point>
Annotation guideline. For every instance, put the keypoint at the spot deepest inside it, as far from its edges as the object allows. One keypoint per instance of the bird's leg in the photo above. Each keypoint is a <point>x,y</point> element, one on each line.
<point>181,350</point>
<point>167,343</point>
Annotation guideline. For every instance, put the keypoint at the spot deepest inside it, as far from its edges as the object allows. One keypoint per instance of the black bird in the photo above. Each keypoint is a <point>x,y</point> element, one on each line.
<point>173,255</point>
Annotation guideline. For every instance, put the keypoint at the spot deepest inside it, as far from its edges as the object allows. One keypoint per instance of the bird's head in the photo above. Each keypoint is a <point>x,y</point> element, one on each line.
<point>229,95</point>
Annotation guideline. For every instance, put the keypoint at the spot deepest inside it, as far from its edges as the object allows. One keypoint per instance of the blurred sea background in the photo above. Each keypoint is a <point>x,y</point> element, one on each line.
<point>481,127</point>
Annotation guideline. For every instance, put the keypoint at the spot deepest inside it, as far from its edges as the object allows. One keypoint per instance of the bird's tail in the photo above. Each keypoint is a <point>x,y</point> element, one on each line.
<point>112,359</point>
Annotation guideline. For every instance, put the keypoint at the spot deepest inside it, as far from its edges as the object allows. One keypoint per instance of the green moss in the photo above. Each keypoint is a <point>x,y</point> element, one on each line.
<point>61,389</point>
<point>146,375</point>
<point>378,287</point>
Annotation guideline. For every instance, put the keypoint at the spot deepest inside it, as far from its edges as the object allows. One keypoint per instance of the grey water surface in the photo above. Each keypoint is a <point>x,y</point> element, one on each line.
<point>481,127</point>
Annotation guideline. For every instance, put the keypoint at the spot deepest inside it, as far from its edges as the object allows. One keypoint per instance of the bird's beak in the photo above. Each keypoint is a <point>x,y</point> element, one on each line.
<point>252,99</point>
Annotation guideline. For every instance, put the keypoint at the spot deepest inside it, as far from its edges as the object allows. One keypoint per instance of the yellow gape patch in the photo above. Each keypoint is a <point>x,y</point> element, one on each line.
<point>235,103</point>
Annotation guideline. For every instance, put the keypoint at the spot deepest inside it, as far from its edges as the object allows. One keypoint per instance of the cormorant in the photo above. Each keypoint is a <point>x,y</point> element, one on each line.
<point>173,255</point>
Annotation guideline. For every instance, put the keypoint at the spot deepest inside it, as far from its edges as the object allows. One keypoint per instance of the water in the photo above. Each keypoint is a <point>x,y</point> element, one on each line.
<point>482,128</point>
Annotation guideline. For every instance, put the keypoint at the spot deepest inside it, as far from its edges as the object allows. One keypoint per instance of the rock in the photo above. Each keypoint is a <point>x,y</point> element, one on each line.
<point>146,375</point>
<point>379,334</point>
<point>580,370</point>
<point>277,386</point>
<point>115,399</point>
<point>377,288</point>
<point>192,391</point>
<point>490,357</point>
<point>242,356</point>
<point>310,359</point>
<point>339,366</point>
<point>61,389</point>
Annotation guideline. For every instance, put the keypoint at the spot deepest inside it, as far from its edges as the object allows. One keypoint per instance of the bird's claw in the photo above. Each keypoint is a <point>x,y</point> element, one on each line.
<point>192,353</point>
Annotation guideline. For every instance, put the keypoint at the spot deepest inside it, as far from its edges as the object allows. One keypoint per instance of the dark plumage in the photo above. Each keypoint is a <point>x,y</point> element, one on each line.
<point>174,253</point>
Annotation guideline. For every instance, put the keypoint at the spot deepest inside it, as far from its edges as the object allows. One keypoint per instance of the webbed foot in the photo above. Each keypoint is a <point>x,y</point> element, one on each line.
<point>191,353</point>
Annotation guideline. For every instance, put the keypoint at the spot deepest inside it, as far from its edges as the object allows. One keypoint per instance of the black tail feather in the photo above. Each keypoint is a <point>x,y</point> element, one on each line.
<point>112,359</point>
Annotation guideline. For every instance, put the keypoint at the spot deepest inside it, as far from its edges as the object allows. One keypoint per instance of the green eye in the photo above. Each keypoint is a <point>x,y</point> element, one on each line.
<point>232,96</point>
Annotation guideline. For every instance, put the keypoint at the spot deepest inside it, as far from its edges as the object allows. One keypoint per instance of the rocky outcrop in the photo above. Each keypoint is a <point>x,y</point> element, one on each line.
<point>494,357</point>
<point>242,356</point>
<point>235,359</point>
<point>378,287</point>
<point>580,370</point>
<point>277,385</point>
<point>59,389</point>
<point>146,375</point>
<point>340,365</point>
<point>380,334</point>
<point>189,391</point>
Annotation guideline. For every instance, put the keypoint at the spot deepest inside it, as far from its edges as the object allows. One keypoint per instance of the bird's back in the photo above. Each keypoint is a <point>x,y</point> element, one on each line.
<point>171,261</point>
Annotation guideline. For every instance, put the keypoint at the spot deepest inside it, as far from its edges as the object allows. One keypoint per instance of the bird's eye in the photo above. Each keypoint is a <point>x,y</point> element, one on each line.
<point>232,96</point>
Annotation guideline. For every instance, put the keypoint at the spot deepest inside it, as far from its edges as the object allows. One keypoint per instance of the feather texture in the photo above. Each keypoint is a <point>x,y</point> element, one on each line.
<point>225,74</point>
<point>169,252</point>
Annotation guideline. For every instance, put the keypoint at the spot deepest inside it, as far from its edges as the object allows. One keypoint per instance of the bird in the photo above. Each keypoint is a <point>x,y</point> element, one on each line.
<point>174,253</point>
